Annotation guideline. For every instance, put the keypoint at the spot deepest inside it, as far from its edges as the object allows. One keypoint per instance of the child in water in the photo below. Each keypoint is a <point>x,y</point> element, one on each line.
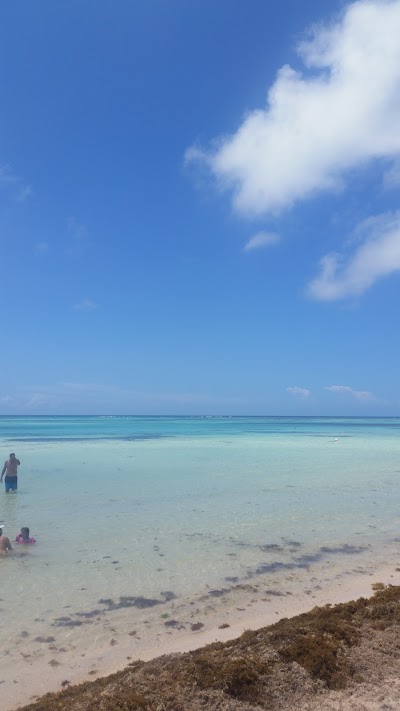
<point>23,537</point>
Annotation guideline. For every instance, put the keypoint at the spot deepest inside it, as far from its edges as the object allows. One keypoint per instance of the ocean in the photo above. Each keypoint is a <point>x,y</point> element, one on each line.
<point>141,519</point>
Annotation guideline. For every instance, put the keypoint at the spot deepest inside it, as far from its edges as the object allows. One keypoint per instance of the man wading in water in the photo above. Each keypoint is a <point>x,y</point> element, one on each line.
<point>11,471</point>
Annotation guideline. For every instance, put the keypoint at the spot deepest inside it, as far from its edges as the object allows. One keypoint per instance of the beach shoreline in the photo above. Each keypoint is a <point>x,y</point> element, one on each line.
<point>192,539</point>
<point>27,682</point>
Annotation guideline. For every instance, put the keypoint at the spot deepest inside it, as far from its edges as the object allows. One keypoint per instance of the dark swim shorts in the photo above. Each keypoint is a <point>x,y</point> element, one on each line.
<point>11,483</point>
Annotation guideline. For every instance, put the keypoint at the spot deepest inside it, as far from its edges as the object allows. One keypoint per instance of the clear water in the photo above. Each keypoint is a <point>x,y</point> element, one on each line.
<point>132,506</point>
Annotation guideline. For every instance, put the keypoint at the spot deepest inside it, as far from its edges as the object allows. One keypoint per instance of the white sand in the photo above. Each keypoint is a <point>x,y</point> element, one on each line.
<point>25,678</point>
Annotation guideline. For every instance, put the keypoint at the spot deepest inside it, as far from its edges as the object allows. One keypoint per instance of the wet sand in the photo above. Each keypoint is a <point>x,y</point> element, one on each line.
<point>46,663</point>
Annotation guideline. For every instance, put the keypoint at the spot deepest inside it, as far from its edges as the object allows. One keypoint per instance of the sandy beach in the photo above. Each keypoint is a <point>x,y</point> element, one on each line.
<point>213,536</point>
<point>54,667</point>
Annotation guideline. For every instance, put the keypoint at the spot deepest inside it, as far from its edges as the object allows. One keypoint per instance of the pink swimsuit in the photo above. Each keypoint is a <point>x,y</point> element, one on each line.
<point>21,539</point>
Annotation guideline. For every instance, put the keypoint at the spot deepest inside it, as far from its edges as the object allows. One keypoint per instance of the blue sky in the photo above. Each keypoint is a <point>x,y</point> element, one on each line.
<point>200,207</point>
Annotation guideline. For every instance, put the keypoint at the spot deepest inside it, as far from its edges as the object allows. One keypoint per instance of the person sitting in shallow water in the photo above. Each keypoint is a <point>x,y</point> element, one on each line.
<point>5,544</point>
<point>23,537</point>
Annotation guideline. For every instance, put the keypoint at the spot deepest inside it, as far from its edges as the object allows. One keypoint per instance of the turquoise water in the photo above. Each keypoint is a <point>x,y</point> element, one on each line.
<point>150,507</point>
<point>130,428</point>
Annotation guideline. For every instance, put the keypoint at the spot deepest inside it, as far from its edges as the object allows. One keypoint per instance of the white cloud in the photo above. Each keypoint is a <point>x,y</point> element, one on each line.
<point>298,392</point>
<point>341,113</point>
<point>261,240</point>
<point>86,305</point>
<point>376,255</point>
<point>362,395</point>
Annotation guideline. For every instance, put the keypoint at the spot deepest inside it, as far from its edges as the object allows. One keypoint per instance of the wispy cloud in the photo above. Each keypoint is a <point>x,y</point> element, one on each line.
<point>77,237</point>
<point>86,305</point>
<point>24,400</point>
<point>261,240</point>
<point>101,397</point>
<point>24,193</point>
<point>37,400</point>
<point>100,389</point>
<point>8,179</point>
<point>41,248</point>
<point>376,254</point>
<point>298,392</point>
<point>340,114</point>
<point>76,229</point>
<point>7,400</point>
<point>391,178</point>
<point>6,176</point>
<point>361,395</point>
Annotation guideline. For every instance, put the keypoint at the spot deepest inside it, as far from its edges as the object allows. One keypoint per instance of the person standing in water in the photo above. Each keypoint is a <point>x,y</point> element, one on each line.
<point>5,544</point>
<point>10,469</point>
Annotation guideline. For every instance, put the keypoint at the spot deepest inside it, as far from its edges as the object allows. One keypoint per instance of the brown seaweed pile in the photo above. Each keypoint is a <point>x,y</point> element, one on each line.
<point>275,668</point>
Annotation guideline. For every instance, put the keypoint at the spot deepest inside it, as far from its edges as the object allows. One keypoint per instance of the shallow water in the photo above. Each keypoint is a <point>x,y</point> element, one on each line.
<point>143,508</point>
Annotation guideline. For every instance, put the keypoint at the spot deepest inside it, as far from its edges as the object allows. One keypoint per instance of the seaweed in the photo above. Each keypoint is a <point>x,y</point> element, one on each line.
<point>239,677</point>
<point>318,643</point>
